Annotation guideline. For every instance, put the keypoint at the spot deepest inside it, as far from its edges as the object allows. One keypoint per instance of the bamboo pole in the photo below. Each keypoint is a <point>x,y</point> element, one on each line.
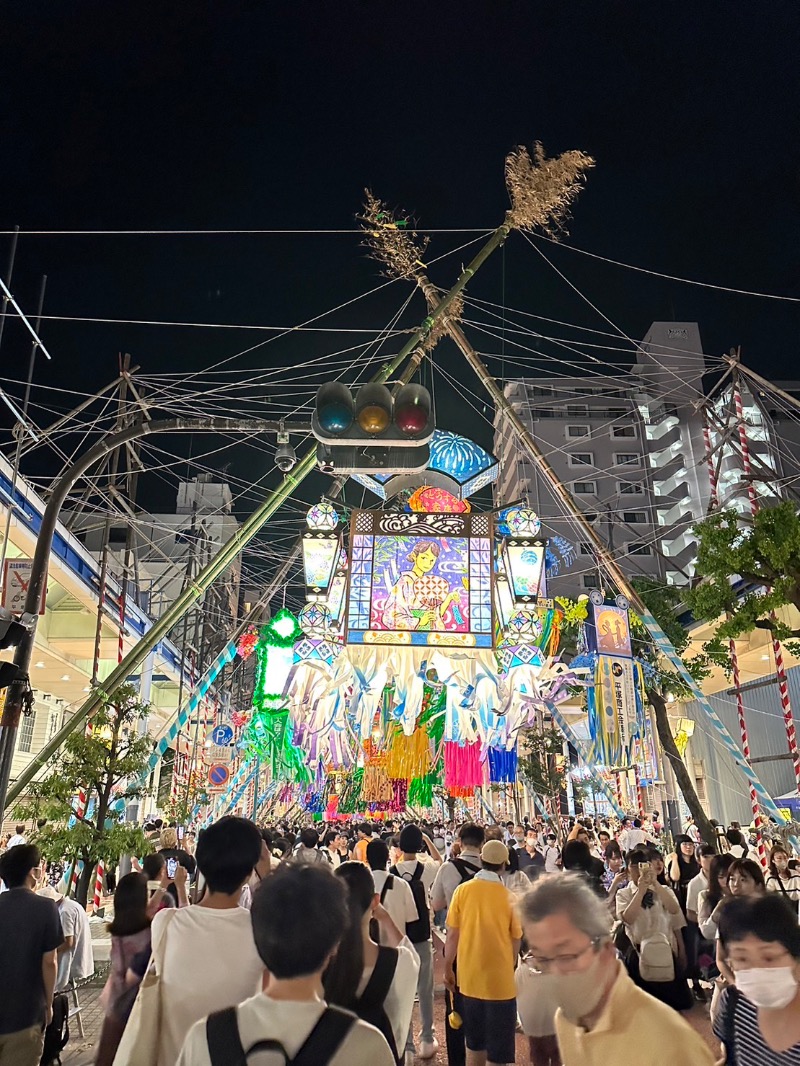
<point>221,561</point>
<point>562,494</point>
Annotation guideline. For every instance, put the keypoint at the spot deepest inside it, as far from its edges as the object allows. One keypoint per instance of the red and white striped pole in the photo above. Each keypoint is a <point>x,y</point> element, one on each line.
<point>639,796</point>
<point>712,475</point>
<point>777,650</point>
<point>762,851</point>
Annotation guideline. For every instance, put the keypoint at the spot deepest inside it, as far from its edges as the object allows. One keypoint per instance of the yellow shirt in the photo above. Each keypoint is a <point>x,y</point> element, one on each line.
<point>360,851</point>
<point>634,1027</point>
<point>483,912</point>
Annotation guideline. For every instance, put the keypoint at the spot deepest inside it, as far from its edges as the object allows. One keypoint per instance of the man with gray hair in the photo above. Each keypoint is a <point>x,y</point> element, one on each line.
<point>602,1015</point>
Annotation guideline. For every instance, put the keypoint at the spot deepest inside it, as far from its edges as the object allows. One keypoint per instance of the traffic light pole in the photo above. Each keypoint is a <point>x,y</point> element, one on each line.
<point>226,554</point>
<point>24,650</point>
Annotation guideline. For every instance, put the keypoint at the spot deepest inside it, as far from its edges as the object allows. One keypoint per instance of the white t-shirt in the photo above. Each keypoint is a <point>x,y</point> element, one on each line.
<point>399,1002</point>
<point>398,901</point>
<point>209,962</point>
<point>551,856</point>
<point>429,870</point>
<point>651,920</point>
<point>262,1018</point>
<point>78,962</point>
<point>15,840</point>
<point>697,885</point>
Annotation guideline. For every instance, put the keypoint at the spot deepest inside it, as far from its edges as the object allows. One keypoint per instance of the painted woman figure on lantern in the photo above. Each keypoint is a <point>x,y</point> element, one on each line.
<point>419,599</point>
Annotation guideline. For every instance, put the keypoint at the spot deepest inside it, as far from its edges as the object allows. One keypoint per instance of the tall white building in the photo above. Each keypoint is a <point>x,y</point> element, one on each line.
<point>631,449</point>
<point>169,550</point>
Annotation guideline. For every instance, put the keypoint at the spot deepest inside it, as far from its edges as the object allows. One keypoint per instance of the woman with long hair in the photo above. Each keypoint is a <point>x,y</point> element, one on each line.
<point>711,897</point>
<point>781,878</point>
<point>682,869</point>
<point>130,953</point>
<point>378,983</point>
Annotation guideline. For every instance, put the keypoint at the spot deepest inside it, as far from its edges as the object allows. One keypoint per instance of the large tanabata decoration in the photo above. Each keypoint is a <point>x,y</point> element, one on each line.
<point>420,580</point>
<point>404,672</point>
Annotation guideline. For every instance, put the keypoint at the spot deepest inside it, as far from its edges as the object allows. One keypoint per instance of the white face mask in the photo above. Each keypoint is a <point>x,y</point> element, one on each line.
<point>769,987</point>
<point>576,993</point>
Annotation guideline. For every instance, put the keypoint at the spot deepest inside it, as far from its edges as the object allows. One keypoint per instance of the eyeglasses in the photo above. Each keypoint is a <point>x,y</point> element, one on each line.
<point>738,964</point>
<point>561,963</point>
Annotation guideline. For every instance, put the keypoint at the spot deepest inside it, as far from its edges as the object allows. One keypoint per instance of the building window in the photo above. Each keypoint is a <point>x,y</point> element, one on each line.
<point>578,431</point>
<point>585,488</point>
<point>634,518</point>
<point>579,410</point>
<point>631,488</point>
<point>581,459</point>
<point>586,548</point>
<point>627,459</point>
<point>25,741</point>
<point>636,548</point>
<point>591,581</point>
<point>623,431</point>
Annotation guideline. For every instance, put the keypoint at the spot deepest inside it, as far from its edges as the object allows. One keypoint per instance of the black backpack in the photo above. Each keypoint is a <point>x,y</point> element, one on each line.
<point>465,869</point>
<point>420,930</point>
<point>374,930</point>
<point>56,1034</point>
<point>225,1045</point>
<point>370,1006</point>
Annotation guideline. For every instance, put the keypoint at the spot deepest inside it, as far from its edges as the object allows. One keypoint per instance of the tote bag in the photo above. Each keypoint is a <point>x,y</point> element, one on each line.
<point>140,1041</point>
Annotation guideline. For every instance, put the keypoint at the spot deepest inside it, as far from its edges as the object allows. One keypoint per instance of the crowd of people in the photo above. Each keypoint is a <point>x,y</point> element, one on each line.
<point>315,942</point>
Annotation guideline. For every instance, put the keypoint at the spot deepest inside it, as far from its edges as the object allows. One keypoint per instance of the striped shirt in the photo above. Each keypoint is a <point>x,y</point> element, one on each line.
<point>749,1045</point>
<point>789,886</point>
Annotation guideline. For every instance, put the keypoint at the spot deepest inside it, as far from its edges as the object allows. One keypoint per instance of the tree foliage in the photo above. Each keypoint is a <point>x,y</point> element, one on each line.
<point>764,551</point>
<point>540,762</point>
<point>108,764</point>
<point>664,602</point>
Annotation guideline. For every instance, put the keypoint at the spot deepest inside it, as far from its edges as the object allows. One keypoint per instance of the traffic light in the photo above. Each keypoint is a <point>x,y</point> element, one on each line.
<point>372,430</point>
<point>9,673</point>
<point>11,632</point>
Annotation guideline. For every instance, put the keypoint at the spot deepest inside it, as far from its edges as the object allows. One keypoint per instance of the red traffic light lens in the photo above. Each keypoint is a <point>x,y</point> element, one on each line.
<point>334,407</point>
<point>373,408</point>
<point>412,409</point>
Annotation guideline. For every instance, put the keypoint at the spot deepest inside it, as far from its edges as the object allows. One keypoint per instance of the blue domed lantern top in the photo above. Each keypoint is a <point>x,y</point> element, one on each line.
<point>457,464</point>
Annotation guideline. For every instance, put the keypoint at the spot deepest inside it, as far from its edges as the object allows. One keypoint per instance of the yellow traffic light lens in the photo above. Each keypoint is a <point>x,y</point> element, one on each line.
<point>373,419</point>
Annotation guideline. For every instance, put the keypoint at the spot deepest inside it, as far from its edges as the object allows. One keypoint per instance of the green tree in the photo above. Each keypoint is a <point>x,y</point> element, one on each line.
<point>541,764</point>
<point>108,764</point>
<point>663,602</point>
<point>765,552</point>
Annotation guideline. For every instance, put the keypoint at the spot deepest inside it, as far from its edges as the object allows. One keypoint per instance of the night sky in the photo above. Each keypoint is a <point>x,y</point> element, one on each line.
<point>265,115</point>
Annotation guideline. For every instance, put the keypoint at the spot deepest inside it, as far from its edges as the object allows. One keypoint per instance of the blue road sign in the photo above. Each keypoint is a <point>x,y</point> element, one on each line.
<point>221,735</point>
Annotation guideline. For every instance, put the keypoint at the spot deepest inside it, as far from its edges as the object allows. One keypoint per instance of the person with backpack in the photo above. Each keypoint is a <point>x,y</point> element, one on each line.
<point>420,876</point>
<point>450,875</point>
<point>394,893</point>
<point>653,921</point>
<point>377,983</point>
<point>300,915</point>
